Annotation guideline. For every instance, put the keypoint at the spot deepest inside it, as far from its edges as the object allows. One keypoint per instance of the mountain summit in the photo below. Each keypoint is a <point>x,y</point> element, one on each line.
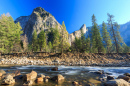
<point>38,20</point>
<point>43,20</point>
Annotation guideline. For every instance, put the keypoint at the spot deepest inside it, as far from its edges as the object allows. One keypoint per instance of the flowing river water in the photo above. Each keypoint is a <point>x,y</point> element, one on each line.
<point>82,74</point>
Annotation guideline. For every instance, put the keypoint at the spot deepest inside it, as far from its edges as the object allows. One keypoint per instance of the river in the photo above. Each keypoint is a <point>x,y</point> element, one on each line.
<point>82,74</point>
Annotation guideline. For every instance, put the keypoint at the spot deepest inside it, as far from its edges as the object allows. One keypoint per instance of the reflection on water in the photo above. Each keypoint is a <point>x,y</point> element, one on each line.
<point>81,74</point>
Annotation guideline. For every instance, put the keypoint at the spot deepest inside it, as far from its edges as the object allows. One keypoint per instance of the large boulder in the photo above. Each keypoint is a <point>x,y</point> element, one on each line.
<point>30,76</point>
<point>58,78</point>
<point>8,80</point>
<point>40,79</point>
<point>116,82</point>
<point>110,77</point>
<point>124,77</point>
<point>127,74</point>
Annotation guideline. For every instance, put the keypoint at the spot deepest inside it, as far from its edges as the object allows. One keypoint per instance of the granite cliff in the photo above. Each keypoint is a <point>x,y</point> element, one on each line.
<point>43,20</point>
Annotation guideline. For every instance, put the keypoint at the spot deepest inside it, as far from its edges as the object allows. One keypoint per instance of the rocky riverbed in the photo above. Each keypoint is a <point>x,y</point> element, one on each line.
<point>71,60</point>
<point>33,75</point>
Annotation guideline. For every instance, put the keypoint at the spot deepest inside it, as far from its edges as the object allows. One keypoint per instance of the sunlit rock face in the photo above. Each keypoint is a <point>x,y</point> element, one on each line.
<point>78,33</point>
<point>38,20</point>
<point>43,20</point>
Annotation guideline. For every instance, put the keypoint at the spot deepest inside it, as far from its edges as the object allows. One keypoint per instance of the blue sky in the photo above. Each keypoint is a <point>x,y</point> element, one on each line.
<point>74,13</point>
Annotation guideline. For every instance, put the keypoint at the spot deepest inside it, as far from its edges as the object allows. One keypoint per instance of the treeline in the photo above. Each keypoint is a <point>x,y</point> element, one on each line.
<point>50,41</point>
<point>102,40</point>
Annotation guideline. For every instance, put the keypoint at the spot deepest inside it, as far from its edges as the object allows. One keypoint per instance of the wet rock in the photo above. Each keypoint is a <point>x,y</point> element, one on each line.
<point>45,80</point>
<point>47,77</point>
<point>8,80</point>
<point>102,79</point>
<point>30,76</point>
<point>116,82</point>
<point>40,79</point>
<point>58,78</point>
<point>2,71</point>
<point>75,83</point>
<point>100,72</point>
<point>110,77</point>
<point>55,69</point>
<point>28,83</point>
<point>127,74</point>
<point>43,76</point>
<point>126,78</point>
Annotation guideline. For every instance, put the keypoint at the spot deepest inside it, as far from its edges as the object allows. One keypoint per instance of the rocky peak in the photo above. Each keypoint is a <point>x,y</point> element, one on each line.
<point>78,33</point>
<point>38,20</point>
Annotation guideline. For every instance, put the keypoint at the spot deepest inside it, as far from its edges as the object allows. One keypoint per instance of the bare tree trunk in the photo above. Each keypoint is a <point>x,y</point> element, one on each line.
<point>117,51</point>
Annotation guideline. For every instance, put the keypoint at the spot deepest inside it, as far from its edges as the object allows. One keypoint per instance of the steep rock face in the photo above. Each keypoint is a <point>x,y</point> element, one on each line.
<point>23,21</point>
<point>38,20</point>
<point>43,20</point>
<point>77,33</point>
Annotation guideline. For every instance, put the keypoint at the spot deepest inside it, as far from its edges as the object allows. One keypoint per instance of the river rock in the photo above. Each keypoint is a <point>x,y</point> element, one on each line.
<point>124,77</point>
<point>55,69</point>
<point>2,71</point>
<point>47,77</point>
<point>100,72</point>
<point>28,83</point>
<point>43,76</point>
<point>40,79</point>
<point>8,80</point>
<point>45,80</point>
<point>127,74</point>
<point>116,82</point>
<point>58,78</point>
<point>30,76</point>
<point>110,77</point>
<point>75,83</point>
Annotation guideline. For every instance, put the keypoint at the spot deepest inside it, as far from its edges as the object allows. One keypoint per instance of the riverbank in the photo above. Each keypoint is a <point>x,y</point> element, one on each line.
<point>70,59</point>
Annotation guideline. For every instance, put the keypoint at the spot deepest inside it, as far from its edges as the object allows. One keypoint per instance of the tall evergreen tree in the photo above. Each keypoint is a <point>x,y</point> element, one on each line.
<point>56,39</point>
<point>64,38</point>
<point>50,46</point>
<point>114,31</point>
<point>83,41</point>
<point>106,38</point>
<point>97,45</point>
<point>34,41</point>
<point>9,34</point>
<point>42,40</point>
<point>88,44</point>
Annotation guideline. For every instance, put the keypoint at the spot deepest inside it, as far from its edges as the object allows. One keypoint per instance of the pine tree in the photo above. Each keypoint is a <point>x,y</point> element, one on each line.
<point>34,41</point>
<point>88,44</point>
<point>126,49</point>
<point>56,39</point>
<point>42,41</point>
<point>9,34</point>
<point>64,38</point>
<point>97,45</point>
<point>78,44</point>
<point>106,38</point>
<point>50,46</point>
<point>83,40</point>
<point>114,31</point>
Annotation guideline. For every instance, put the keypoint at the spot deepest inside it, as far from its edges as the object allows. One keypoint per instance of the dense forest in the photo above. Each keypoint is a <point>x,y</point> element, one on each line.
<point>101,40</point>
